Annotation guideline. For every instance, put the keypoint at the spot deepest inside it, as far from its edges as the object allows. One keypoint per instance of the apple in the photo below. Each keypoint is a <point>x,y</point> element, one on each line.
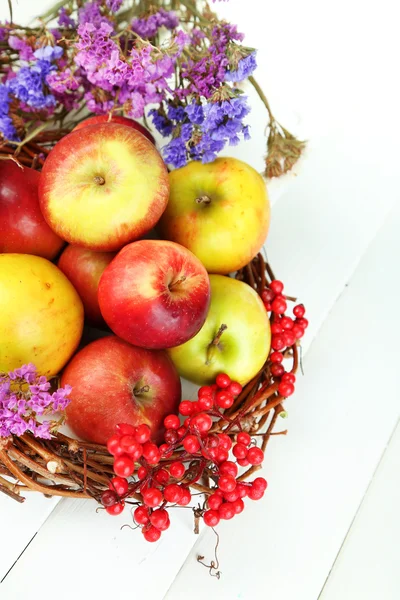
<point>116,119</point>
<point>154,294</point>
<point>41,314</point>
<point>103,186</point>
<point>84,268</point>
<point>235,339</point>
<point>114,382</point>
<point>220,211</point>
<point>22,225</point>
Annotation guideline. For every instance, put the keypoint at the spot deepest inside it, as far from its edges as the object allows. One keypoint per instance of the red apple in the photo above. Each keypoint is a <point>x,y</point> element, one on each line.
<point>155,294</point>
<point>23,229</point>
<point>84,268</point>
<point>116,119</point>
<point>114,382</point>
<point>103,186</point>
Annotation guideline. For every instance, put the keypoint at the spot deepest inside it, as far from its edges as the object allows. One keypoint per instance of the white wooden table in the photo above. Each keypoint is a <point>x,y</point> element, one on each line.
<point>328,526</point>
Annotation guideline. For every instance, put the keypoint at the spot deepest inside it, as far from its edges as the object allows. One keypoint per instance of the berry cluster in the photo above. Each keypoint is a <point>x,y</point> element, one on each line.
<point>285,330</point>
<point>163,480</point>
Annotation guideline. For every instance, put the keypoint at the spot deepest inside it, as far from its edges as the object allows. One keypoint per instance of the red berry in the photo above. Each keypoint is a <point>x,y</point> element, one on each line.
<point>177,469</point>
<point>277,342</point>
<point>211,518</point>
<point>165,450</point>
<point>152,497</point>
<point>287,323</point>
<point>241,489</point>
<point>221,455</point>
<point>185,498</point>
<point>125,429</point>
<point>255,455</point>
<point>279,305</point>
<point>109,498</point>
<point>299,311</point>
<point>151,453</point>
<point>260,483</point>
<point>195,407</point>
<point>143,434</point>
<point>142,473</point>
<point>119,485</point>
<point>277,370</point>
<point>191,444</point>
<point>240,451</point>
<point>202,422</point>
<point>286,389</point>
<point>297,331</point>
<point>173,493</point>
<point>276,328</point>
<point>226,483</point>
<point>224,399</point>
<point>214,501</point>
<point>228,468</point>
<point>185,408</point>
<point>141,515</point>
<point>226,511</point>
<point>223,380</point>
<point>276,286</point>
<point>231,496</point>
<point>162,476</point>
<point>243,438</point>
<point>152,534</point>
<point>172,422</point>
<point>242,462</point>
<point>124,466</point>
<point>267,296</point>
<point>206,402</point>
<point>289,378</point>
<point>225,441</point>
<point>186,422</point>
<point>171,436</point>
<point>302,322</point>
<point>205,390</point>
<point>289,338</point>
<point>211,453</point>
<point>116,509</point>
<point>238,506</point>
<point>160,519</point>
<point>114,446</point>
<point>131,446</point>
<point>276,357</point>
<point>267,306</point>
<point>255,493</point>
<point>181,432</point>
<point>235,388</point>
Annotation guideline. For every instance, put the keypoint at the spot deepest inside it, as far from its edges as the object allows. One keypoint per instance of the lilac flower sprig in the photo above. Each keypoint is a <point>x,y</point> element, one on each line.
<point>25,396</point>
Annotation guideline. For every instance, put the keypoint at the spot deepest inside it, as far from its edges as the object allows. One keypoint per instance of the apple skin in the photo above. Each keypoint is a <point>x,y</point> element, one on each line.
<point>220,211</point>
<point>103,186</point>
<point>23,229</point>
<point>243,347</point>
<point>41,314</point>
<point>84,268</point>
<point>143,299</point>
<point>106,378</point>
<point>115,119</point>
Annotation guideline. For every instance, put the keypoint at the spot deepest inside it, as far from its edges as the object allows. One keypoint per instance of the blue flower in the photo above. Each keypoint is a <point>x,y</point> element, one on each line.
<point>7,129</point>
<point>174,153</point>
<point>161,122</point>
<point>176,113</point>
<point>49,53</point>
<point>195,113</point>
<point>245,67</point>
<point>27,86</point>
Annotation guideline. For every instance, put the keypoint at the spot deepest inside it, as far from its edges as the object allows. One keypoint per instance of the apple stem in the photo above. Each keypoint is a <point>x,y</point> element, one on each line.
<point>214,343</point>
<point>142,390</point>
<point>99,180</point>
<point>203,199</point>
<point>177,282</point>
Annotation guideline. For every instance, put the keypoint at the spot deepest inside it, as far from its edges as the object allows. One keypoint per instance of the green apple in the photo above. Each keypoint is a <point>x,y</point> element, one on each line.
<point>235,338</point>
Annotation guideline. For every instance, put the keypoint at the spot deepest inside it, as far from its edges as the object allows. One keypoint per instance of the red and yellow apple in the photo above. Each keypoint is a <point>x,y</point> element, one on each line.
<point>235,339</point>
<point>22,225</point>
<point>114,382</point>
<point>154,294</point>
<point>41,314</point>
<point>115,119</point>
<point>103,186</point>
<point>84,268</point>
<point>220,211</point>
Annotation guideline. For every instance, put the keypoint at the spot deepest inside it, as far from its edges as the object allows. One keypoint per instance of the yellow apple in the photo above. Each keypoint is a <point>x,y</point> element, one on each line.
<point>235,339</point>
<point>41,314</point>
<point>220,211</point>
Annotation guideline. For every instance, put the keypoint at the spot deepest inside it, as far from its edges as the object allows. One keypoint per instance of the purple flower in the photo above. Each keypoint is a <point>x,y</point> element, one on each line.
<point>91,13</point>
<point>3,33</point>
<point>114,5</point>
<point>149,26</point>
<point>245,67</point>
<point>64,20</point>
<point>24,49</point>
